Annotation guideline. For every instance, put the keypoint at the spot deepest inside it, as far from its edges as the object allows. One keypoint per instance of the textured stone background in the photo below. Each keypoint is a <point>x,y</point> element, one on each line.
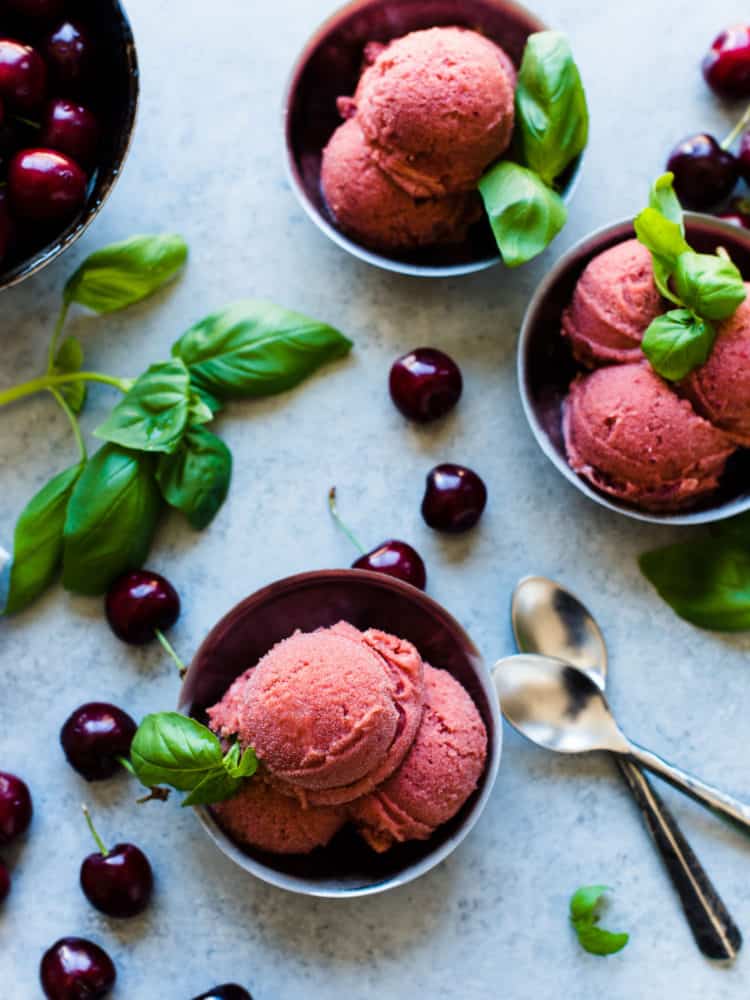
<point>491,922</point>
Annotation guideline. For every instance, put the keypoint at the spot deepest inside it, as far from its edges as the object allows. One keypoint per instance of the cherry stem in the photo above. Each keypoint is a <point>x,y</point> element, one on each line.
<point>741,124</point>
<point>342,526</point>
<point>169,648</point>
<point>155,794</point>
<point>28,121</point>
<point>99,842</point>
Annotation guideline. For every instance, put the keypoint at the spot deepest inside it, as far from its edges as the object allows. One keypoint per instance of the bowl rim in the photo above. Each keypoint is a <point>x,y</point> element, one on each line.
<point>588,244</point>
<point>297,884</point>
<point>37,262</point>
<point>379,260</point>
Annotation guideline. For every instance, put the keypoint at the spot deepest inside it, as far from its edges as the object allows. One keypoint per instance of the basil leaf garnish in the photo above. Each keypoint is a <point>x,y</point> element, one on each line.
<point>678,342</point>
<point>111,519</point>
<point>551,106</point>
<point>153,415</point>
<point>710,285</point>
<point>124,273</point>
<point>195,478</point>
<point>664,239</point>
<point>584,915</point>
<point>69,358</point>
<point>524,213</point>
<point>256,348</point>
<point>665,201</point>
<point>38,540</point>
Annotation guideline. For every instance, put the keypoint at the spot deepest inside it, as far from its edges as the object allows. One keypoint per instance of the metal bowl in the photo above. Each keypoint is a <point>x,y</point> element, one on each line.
<point>329,67</point>
<point>347,867</point>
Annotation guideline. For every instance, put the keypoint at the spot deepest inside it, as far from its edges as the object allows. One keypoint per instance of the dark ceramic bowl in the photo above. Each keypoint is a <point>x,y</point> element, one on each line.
<point>330,66</point>
<point>546,366</point>
<point>114,100</point>
<point>347,867</point>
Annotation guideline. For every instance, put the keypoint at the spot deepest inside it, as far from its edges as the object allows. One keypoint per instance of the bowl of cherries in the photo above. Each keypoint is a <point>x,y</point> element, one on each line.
<point>68,97</point>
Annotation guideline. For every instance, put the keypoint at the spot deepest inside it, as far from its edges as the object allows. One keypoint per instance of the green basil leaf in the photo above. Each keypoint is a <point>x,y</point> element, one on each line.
<point>111,519</point>
<point>525,214</point>
<point>69,358</point>
<point>709,285</point>
<point>585,901</point>
<point>38,541</point>
<point>217,786</point>
<point>665,241</point>
<point>214,404</point>
<point>553,118</point>
<point>199,412</point>
<point>124,273</point>
<point>173,749</point>
<point>678,342</point>
<point>706,582</point>
<point>664,199</point>
<point>153,415</point>
<point>255,348</point>
<point>734,529</point>
<point>238,766</point>
<point>195,478</point>
<point>584,910</point>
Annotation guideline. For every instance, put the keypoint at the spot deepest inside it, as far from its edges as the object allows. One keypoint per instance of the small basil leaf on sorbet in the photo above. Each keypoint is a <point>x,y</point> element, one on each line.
<point>124,273</point>
<point>584,916</point>
<point>173,749</point>
<point>664,199</point>
<point>706,582</point>
<point>111,519</point>
<point>708,284</point>
<point>238,764</point>
<point>38,540</point>
<point>664,239</point>
<point>524,213</point>
<point>551,106</point>
<point>217,786</point>
<point>678,342</point>
<point>195,478</point>
<point>69,358</point>
<point>255,348</point>
<point>153,415</point>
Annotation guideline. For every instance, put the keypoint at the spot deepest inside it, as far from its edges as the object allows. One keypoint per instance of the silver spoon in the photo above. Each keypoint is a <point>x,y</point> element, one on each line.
<point>549,620</point>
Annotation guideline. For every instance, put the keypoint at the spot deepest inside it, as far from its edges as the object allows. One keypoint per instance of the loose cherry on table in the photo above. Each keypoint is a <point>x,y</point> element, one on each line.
<point>227,991</point>
<point>119,881</point>
<point>425,384</point>
<point>71,129</point>
<point>726,66</point>
<point>392,558</point>
<point>46,186</point>
<point>140,605</point>
<point>15,807</point>
<point>23,76</point>
<point>76,969</point>
<point>95,737</point>
<point>454,498</point>
<point>704,172</point>
<point>70,55</point>
<point>4,881</point>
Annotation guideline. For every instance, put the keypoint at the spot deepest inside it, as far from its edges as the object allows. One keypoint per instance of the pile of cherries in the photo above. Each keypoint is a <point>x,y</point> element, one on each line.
<point>48,135</point>
<point>706,171</point>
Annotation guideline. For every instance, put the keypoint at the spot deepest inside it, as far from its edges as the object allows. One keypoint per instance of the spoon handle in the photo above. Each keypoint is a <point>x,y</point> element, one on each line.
<point>707,795</point>
<point>715,933</point>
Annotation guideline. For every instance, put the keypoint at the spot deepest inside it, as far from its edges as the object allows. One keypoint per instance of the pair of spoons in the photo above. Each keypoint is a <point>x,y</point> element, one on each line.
<point>553,694</point>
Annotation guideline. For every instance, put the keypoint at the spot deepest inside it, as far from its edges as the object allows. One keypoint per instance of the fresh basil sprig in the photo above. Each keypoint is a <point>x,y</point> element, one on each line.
<point>706,288</point>
<point>172,749</point>
<point>552,123</point>
<point>584,916</point>
<point>154,413</point>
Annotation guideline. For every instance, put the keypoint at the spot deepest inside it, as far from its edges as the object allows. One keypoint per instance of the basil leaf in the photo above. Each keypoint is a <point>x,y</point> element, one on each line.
<point>38,541</point>
<point>240,767</point>
<point>124,273</point>
<point>69,358</point>
<point>153,415</point>
<point>195,478</point>
<point>584,902</point>
<point>217,786</point>
<point>524,213</point>
<point>172,749</point>
<point>664,239</point>
<point>706,582</point>
<point>111,519</point>
<point>255,348</point>
<point>708,284</point>
<point>207,398</point>
<point>678,342</point>
<point>664,199</point>
<point>551,106</point>
<point>584,908</point>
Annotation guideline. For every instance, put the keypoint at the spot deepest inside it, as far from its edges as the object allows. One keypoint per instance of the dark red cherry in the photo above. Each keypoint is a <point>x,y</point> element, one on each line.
<point>46,186</point>
<point>76,969</point>
<point>119,881</point>
<point>743,157</point>
<point>23,76</point>
<point>70,53</point>
<point>93,738</point>
<point>70,128</point>
<point>227,991</point>
<point>139,603</point>
<point>425,384</point>
<point>15,807</point>
<point>397,559</point>
<point>726,66</point>
<point>4,881</point>
<point>36,9</point>
<point>704,173</point>
<point>454,498</point>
